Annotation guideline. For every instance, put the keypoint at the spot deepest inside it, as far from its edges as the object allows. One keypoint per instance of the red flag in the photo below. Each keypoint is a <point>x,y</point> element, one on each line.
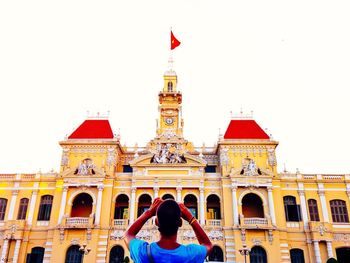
<point>173,41</point>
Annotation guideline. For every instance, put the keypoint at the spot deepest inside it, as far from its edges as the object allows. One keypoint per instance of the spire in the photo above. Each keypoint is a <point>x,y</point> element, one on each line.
<point>170,77</point>
<point>170,71</point>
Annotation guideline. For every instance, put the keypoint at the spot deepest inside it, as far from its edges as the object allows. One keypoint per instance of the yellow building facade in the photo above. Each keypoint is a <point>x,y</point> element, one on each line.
<point>80,213</point>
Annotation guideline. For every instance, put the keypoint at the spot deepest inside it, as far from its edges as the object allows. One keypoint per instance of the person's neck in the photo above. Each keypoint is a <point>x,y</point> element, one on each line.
<point>168,242</point>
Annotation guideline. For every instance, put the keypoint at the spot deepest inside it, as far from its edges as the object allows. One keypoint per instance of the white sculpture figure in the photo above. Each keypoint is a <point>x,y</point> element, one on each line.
<point>168,153</point>
<point>251,168</point>
<point>271,157</point>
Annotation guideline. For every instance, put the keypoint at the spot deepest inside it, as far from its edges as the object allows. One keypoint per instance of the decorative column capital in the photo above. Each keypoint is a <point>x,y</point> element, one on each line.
<point>234,188</point>
<point>179,189</point>
<point>269,188</point>
<point>65,188</point>
<point>133,189</point>
<point>301,192</point>
<point>321,192</point>
<point>15,192</point>
<point>100,187</point>
<point>156,188</point>
<point>201,190</point>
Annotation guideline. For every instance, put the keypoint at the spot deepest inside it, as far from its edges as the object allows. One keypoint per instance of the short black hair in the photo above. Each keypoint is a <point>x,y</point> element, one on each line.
<point>168,214</point>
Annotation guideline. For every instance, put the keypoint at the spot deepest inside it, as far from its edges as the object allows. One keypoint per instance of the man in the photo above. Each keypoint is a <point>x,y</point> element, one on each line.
<point>167,250</point>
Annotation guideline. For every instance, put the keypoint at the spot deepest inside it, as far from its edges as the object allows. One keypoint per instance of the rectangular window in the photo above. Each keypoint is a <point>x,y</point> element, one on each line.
<point>210,169</point>
<point>292,213</point>
<point>127,169</point>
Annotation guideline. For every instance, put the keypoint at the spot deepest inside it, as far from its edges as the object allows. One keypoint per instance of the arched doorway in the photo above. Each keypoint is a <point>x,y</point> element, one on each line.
<point>36,255</point>
<point>73,255</point>
<point>145,202</point>
<point>258,255</point>
<point>297,255</point>
<point>252,206</point>
<point>343,254</point>
<point>116,255</point>
<point>168,196</point>
<point>82,205</point>
<point>121,207</point>
<point>190,202</point>
<point>216,254</point>
<point>213,207</point>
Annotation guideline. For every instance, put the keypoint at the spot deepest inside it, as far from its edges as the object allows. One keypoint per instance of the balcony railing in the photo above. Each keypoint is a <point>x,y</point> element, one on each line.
<point>255,221</point>
<point>120,223</point>
<point>213,222</point>
<point>79,222</point>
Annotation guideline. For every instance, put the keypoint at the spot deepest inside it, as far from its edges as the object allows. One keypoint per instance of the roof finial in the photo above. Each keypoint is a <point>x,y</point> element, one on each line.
<point>231,113</point>
<point>241,111</point>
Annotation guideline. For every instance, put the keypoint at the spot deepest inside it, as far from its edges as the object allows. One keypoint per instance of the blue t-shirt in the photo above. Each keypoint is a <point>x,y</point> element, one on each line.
<point>183,254</point>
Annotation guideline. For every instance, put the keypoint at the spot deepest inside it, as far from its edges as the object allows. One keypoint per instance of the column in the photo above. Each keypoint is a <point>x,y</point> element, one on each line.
<point>63,204</point>
<point>16,252</point>
<point>235,205</point>
<point>317,252</point>
<point>32,207</point>
<point>323,205</point>
<point>132,205</point>
<point>12,205</point>
<point>271,205</point>
<point>329,249</point>
<point>303,208</point>
<point>201,206</point>
<point>98,205</point>
<point>178,194</point>
<point>4,251</point>
<point>156,191</point>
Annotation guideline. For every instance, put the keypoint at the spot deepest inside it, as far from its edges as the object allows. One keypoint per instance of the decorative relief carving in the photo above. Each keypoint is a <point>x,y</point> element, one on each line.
<point>168,153</point>
<point>111,157</point>
<point>256,241</point>
<point>144,235</point>
<point>65,158</point>
<point>117,235</point>
<point>224,156</point>
<point>75,241</point>
<point>271,157</point>
<point>216,235</point>
<point>342,237</point>
<point>270,236</point>
<point>243,235</point>
<point>188,235</point>
<point>86,167</point>
<point>88,234</point>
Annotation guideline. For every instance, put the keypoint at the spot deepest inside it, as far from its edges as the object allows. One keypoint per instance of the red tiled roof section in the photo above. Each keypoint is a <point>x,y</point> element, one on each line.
<point>244,129</point>
<point>93,129</point>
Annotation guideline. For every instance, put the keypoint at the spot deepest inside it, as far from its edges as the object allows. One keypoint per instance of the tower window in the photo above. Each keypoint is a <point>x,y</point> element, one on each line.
<point>127,169</point>
<point>170,86</point>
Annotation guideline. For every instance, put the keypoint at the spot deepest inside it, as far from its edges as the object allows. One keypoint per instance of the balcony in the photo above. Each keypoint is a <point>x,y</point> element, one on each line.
<point>213,222</point>
<point>79,222</point>
<point>120,223</point>
<point>255,222</point>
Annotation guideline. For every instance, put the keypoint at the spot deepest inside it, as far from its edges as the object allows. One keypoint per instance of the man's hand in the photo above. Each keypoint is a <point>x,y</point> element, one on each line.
<point>153,209</point>
<point>185,213</point>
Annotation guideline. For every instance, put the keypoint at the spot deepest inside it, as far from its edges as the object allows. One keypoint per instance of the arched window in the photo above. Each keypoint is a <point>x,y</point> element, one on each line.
<point>291,209</point>
<point>145,202</point>
<point>343,254</point>
<point>45,208</point>
<point>213,207</point>
<point>121,207</point>
<point>190,202</point>
<point>216,254</point>
<point>22,210</point>
<point>297,255</point>
<point>116,255</point>
<point>252,206</point>
<point>170,86</point>
<point>36,255</point>
<point>82,205</point>
<point>3,204</point>
<point>313,210</point>
<point>258,255</point>
<point>339,211</point>
<point>168,196</point>
<point>73,255</point>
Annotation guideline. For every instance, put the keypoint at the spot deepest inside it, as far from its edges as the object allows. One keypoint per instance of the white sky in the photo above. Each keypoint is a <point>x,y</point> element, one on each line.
<point>288,61</point>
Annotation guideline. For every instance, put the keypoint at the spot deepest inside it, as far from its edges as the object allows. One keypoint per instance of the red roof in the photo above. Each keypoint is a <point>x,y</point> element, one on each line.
<point>244,129</point>
<point>93,129</point>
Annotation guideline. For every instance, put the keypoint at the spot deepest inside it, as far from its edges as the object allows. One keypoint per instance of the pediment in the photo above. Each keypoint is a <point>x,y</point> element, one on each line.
<point>188,160</point>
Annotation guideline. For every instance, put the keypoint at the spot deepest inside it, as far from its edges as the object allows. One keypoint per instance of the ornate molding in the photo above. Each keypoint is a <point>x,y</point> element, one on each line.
<point>117,235</point>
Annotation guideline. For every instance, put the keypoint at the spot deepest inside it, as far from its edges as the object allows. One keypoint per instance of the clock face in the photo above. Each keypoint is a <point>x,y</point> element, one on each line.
<point>169,121</point>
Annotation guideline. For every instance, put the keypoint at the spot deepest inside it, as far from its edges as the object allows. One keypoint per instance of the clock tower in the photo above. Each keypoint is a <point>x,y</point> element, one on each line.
<point>170,119</point>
